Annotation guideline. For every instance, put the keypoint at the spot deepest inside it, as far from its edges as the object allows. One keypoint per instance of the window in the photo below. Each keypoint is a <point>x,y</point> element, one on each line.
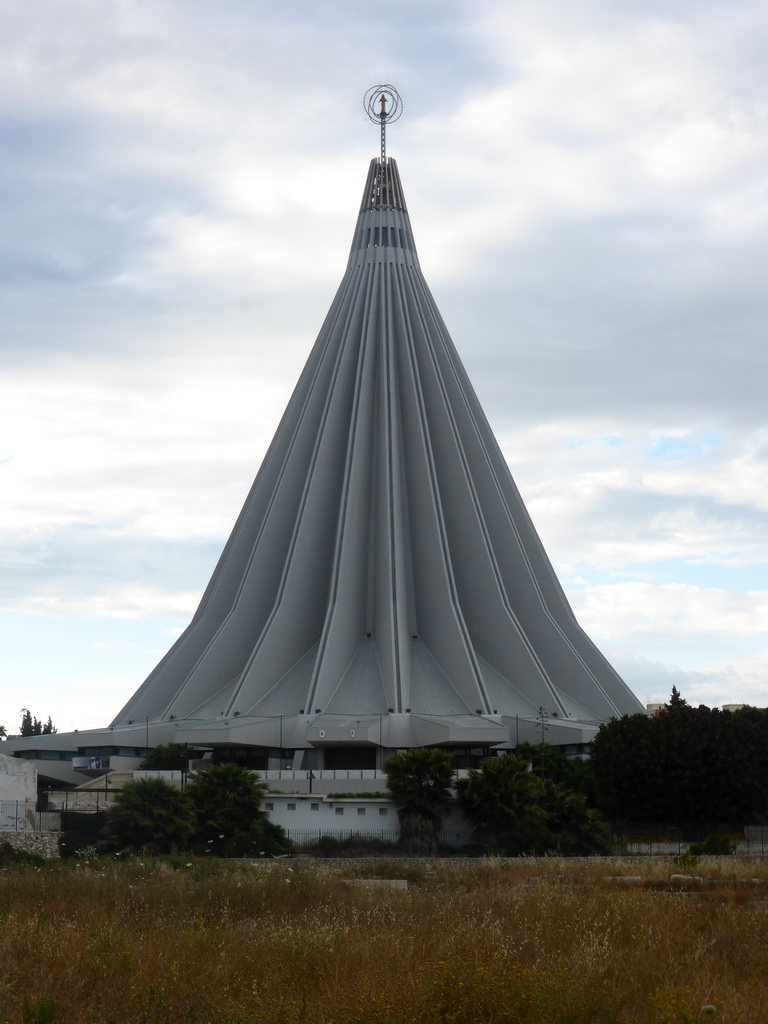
<point>361,810</point>
<point>314,807</point>
<point>269,805</point>
<point>44,755</point>
<point>339,810</point>
<point>291,807</point>
<point>383,810</point>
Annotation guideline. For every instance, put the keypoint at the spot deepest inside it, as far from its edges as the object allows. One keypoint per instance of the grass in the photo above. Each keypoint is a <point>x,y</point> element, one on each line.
<point>184,941</point>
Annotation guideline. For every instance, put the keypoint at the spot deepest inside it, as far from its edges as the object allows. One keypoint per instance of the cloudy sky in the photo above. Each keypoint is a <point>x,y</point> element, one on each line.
<point>588,185</point>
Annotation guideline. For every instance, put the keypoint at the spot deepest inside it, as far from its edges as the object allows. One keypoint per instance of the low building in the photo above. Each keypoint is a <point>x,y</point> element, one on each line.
<point>307,817</point>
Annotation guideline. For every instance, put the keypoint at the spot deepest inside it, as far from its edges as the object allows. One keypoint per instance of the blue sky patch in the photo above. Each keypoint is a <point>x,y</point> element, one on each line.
<point>737,579</point>
<point>672,449</point>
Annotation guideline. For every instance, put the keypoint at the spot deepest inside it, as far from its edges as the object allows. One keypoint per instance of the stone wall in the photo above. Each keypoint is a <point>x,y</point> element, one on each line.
<point>42,844</point>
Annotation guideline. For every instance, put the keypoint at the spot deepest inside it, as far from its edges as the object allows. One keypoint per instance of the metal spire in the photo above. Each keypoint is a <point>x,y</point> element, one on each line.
<point>390,107</point>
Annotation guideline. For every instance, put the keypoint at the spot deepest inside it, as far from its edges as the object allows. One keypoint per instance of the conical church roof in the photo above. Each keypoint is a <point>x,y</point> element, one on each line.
<point>384,570</point>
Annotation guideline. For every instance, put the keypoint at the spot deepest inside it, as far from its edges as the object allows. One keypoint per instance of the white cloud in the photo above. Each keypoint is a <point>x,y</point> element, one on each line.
<point>741,680</point>
<point>127,602</point>
<point>742,479</point>
<point>637,608</point>
<point>594,499</point>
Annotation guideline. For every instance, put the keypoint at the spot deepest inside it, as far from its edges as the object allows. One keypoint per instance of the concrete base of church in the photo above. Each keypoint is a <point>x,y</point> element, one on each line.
<point>335,749</point>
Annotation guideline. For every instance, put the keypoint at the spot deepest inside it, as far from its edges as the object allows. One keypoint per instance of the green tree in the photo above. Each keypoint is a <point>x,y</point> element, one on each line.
<point>149,816</point>
<point>515,811</point>
<point>550,763</point>
<point>420,783</point>
<point>676,701</point>
<point>684,766</point>
<point>33,726</point>
<point>229,822</point>
<point>166,756</point>
<point>577,828</point>
<point>504,800</point>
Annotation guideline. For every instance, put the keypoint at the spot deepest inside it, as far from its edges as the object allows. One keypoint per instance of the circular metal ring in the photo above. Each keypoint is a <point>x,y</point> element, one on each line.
<point>393,105</point>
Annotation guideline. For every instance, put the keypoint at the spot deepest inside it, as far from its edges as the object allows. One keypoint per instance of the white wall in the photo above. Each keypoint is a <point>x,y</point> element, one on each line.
<point>329,815</point>
<point>18,779</point>
<point>18,793</point>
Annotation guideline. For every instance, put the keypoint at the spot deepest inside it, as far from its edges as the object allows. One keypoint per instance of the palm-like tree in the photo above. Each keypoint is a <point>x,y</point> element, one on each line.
<point>167,757</point>
<point>149,816</point>
<point>227,803</point>
<point>504,800</point>
<point>579,829</point>
<point>420,783</point>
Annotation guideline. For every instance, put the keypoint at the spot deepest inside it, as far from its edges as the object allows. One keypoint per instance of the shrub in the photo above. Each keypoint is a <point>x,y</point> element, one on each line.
<point>80,829</point>
<point>720,845</point>
<point>10,855</point>
<point>226,800</point>
<point>167,756</point>
<point>349,846</point>
<point>148,816</point>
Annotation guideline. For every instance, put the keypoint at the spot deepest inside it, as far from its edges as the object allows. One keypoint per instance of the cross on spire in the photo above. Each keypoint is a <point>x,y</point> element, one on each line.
<point>390,107</point>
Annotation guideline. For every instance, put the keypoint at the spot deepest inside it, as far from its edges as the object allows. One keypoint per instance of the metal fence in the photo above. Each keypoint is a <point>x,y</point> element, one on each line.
<point>650,841</point>
<point>639,842</point>
<point>349,842</point>
<point>21,816</point>
<point>86,800</point>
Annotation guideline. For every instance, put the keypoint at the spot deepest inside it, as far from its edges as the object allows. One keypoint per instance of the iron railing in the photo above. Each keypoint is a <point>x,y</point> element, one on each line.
<point>21,816</point>
<point>657,841</point>
<point>351,842</point>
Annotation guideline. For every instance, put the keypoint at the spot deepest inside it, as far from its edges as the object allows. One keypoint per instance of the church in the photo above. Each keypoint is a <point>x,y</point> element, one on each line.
<point>384,586</point>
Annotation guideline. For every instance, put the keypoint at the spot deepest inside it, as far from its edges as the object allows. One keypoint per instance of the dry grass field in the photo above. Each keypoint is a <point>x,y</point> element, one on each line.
<point>487,942</point>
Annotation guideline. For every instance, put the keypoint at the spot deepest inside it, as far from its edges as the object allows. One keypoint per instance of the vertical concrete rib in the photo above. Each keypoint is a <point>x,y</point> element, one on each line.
<point>383,516</point>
